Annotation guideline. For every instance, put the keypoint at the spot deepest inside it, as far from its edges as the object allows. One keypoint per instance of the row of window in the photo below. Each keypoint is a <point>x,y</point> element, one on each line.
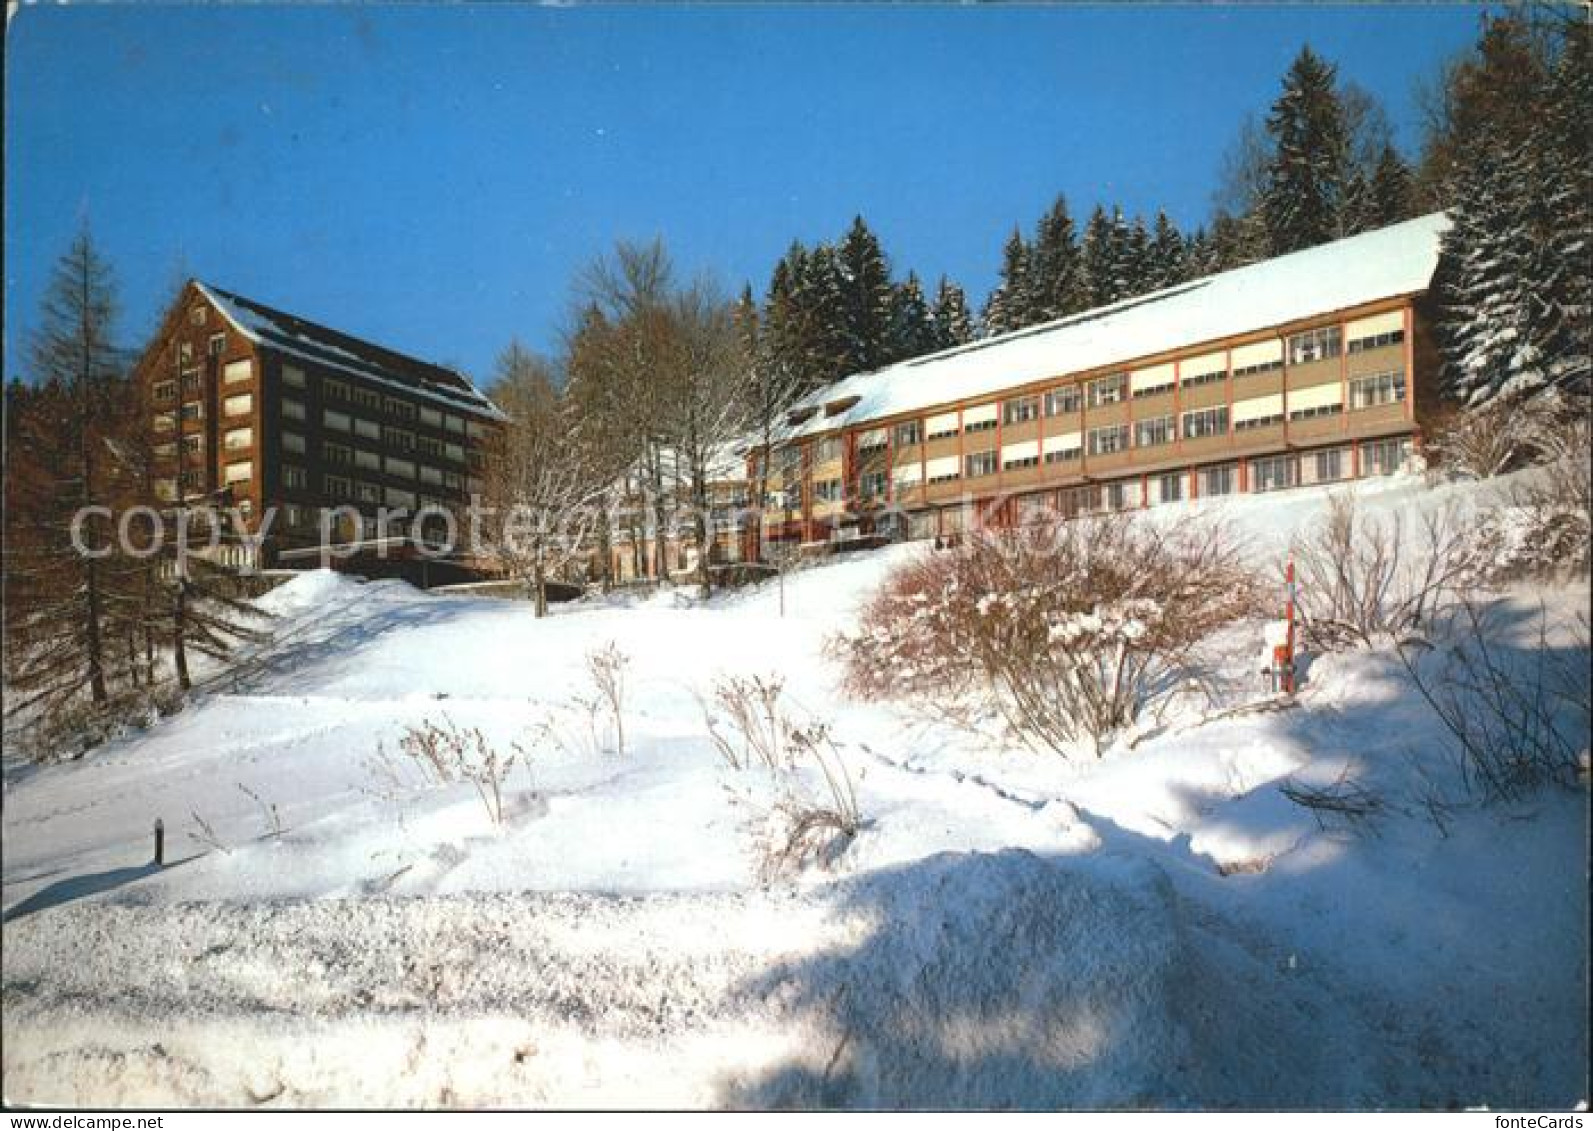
<point>348,489</point>
<point>1365,392</point>
<point>343,455</point>
<point>1273,473</point>
<point>348,392</point>
<point>1381,389</point>
<point>401,439</point>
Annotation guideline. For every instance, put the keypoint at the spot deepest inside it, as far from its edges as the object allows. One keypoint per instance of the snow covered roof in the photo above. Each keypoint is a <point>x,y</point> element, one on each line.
<point>1386,263</point>
<point>324,346</point>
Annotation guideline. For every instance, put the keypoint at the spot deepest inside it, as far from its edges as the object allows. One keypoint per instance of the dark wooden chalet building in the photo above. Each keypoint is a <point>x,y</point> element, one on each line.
<point>284,419</point>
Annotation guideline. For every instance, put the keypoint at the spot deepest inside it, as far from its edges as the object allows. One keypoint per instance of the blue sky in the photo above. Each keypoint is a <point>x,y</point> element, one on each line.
<point>432,177</point>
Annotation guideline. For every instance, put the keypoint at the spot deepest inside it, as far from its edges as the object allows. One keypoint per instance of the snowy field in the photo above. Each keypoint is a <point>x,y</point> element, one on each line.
<point>1161,927</point>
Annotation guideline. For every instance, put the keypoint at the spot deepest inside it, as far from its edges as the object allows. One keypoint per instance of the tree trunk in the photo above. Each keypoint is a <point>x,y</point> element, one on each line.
<point>179,629</point>
<point>539,578</point>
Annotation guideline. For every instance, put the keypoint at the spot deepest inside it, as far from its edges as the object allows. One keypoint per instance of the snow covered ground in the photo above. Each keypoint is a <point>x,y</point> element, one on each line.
<point>1161,927</point>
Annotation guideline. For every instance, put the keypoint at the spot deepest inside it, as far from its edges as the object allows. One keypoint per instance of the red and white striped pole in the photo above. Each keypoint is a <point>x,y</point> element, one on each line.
<point>1288,640</point>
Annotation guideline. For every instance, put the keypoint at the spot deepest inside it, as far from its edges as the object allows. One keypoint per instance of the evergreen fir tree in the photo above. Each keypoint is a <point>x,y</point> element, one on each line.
<point>1137,271</point>
<point>1010,303</point>
<point>1166,254</point>
<point>1099,253</point>
<point>1390,197</point>
<point>912,329</point>
<point>1303,198</point>
<point>1056,273</point>
<point>952,321</point>
<point>866,299</point>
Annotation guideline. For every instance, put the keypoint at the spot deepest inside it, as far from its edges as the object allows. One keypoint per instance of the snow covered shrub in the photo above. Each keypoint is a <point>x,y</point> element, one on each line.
<point>1548,527</point>
<point>446,754</point>
<point>1519,716</point>
<point>749,708</point>
<point>1069,631</point>
<point>1499,437</point>
<point>1365,577</point>
<point>807,827</point>
<point>606,667</point>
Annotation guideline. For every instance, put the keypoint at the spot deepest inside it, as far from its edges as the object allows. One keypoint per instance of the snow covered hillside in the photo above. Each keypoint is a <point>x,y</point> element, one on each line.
<point>1161,927</point>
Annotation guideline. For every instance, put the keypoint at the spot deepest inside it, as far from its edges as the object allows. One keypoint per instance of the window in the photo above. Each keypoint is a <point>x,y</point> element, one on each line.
<point>292,409</point>
<point>166,490</point>
<point>1377,341</point>
<point>872,485</point>
<point>827,491</point>
<point>1206,422</point>
<point>167,450</point>
<point>1274,473</point>
<point>193,410</point>
<point>475,429</point>
<point>1111,438</point>
<point>165,390</point>
<point>369,461</point>
<point>192,482</point>
<point>457,453</point>
<point>944,469</point>
<point>361,397</point>
<point>340,454</point>
<point>1327,466</point>
<point>194,445</point>
<point>293,442</point>
<point>367,492</point>
<point>1332,409</point>
<point>1030,458</point>
<point>1108,390</point>
<point>1217,480</point>
<point>454,424</point>
<point>453,481</point>
<point>1315,345</point>
<point>944,425</point>
<point>980,463</point>
<point>431,475</point>
<point>292,377</point>
<point>1020,411</point>
<point>192,381</point>
<point>430,417</point>
<point>402,468</point>
<point>238,473</point>
<point>1260,417</point>
<point>398,438</point>
<point>1158,430</point>
<point>873,441</point>
<point>1062,455</point>
<point>403,410</point>
<point>235,371</point>
<point>337,486</point>
<point>335,390</point>
<point>338,421</point>
<point>909,432</point>
<point>240,404</point>
<point>1152,382</point>
<point>1063,401</point>
<point>1384,457</point>
<point>196,315</point>
<point>428,446</point>
<point>1119,496</point>
<point>980,419</point>
<point>1383,388</point>
<point>1167,488</point>
<point>294,478</point>
<point>1207,369</point>
<point>217,344</point>
<point>367,429</point>
<point>827,450</point>
<point>237,439</point>
<point>1257,357</point>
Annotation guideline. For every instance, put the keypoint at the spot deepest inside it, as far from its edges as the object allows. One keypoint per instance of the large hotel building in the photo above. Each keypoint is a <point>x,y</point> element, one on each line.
<point>271,412</point>
<point>1309,368</point>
